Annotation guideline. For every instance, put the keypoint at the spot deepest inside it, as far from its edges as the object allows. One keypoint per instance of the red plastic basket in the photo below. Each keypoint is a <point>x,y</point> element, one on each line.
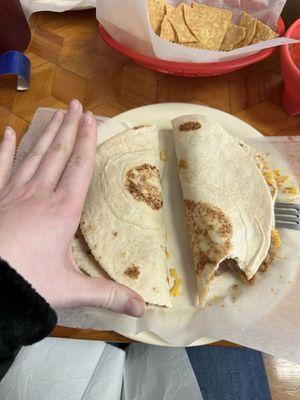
<point>189,69</point>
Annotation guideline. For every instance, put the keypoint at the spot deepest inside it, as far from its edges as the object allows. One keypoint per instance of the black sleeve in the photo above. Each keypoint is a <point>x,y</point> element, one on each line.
<point>25,316</point>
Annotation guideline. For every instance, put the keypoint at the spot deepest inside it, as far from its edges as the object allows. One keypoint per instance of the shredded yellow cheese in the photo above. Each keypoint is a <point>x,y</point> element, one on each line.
<point>286,185</point>
<point>280,179</point>
<point>293,190</point>
<point>175,290</point>
<point>269,177</point>
<point>276,172</point>
<point>276,237</point>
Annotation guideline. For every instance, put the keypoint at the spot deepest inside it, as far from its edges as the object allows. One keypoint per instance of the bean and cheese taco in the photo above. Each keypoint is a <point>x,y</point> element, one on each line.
<point>122,220</point>
<point>229,206</point>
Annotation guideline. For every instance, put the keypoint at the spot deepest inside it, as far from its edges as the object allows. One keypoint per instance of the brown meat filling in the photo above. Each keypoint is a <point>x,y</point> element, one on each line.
<point>190,126</point>
<point>231,265</point>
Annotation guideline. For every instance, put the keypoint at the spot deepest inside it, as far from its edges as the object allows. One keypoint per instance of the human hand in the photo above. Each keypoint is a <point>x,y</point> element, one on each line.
<point>40,210</point>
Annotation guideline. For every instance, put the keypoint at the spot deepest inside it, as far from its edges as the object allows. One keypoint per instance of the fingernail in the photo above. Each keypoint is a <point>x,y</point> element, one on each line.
<point>74,105</point>
<point>87,118</point>
<point>135,308</point>
<point>8,133</point>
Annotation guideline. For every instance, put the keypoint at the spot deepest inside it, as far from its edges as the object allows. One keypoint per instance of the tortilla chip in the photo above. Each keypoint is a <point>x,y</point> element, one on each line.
<point>248,22</point>
<point>208,24</point>
<point>234,35</point>
<point>167,32</point>
<point>156,9</point>
<point>184,35</point>
<point>263,32</point>
<point>169,9</point>
<point>194,45</point>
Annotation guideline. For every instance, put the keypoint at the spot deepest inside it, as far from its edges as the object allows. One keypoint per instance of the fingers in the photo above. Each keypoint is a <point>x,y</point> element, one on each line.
<point>55,160</point>
<point>103,293</point>
<point>30,165</point>
<point>7,152</point>
<point>76,178</point>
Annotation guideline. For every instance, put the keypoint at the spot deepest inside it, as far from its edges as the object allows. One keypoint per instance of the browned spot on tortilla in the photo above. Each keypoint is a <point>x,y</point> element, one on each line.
<point>155,290</point>
<point>95,246</point>
<point>141,126</point>
<point>115,233</point>
<point>182,164</point>
<point>143,183</point>
<point>133,271</point>
<point>190,126</point>
<point>211,233</point>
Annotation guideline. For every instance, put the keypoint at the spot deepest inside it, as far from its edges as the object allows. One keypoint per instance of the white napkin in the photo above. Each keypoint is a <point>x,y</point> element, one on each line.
<point>158,373</point>
<point>63,369</point>
<point>31,6</point>
<point>66,369</point>
<point>106,129</point>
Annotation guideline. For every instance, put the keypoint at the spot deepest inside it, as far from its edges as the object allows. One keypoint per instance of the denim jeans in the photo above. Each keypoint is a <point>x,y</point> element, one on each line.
<point>228,373</point>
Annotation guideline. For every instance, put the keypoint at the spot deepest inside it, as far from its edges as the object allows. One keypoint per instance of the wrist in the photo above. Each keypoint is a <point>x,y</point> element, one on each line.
<point>25,316</point>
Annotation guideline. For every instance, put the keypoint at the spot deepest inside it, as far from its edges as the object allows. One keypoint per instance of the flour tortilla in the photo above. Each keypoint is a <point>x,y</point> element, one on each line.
<point>264,166</point>
<point>84,258</point>
<point>229,207</point>
<point>122,220</point>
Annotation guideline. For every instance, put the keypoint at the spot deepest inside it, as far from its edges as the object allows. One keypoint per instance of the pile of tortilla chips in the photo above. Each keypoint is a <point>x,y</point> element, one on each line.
<point>205,27</point>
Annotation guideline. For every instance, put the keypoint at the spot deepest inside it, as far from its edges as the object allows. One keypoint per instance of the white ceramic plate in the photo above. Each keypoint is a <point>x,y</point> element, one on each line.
<point>162,115</point>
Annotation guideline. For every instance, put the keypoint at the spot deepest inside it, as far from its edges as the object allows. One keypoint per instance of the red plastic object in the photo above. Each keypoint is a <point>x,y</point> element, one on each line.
<point>14,29</point>
<point>290,54</point>
<point>189,69</point>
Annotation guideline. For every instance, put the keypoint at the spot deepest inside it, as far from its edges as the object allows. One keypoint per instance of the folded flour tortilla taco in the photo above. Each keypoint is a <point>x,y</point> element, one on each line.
<point>122,220</point>
<point>228,204</point>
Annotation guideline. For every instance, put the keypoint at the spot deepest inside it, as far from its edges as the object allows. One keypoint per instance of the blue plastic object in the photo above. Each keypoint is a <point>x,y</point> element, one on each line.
<point>14,62</point>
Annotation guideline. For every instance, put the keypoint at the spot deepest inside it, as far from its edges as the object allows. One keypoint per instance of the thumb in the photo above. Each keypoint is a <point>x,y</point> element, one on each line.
<point>103,293</point>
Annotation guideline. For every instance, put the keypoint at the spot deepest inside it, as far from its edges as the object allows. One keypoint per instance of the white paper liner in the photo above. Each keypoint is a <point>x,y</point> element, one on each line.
<point>127,22</point>
<point>265,317</point>
<point>32,6</point>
